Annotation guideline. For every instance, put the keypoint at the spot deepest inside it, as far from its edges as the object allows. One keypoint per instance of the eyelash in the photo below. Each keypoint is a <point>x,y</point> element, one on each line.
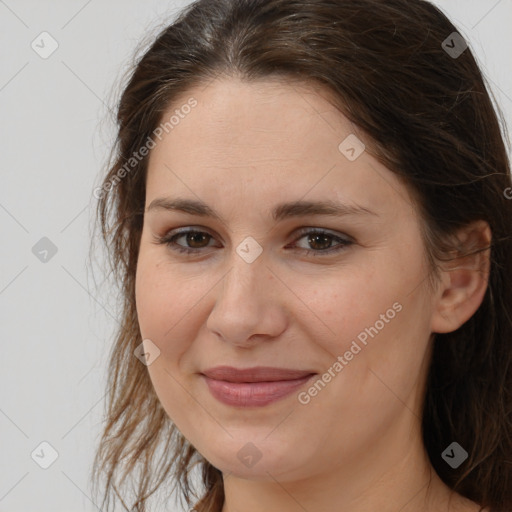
<point>169,240</point>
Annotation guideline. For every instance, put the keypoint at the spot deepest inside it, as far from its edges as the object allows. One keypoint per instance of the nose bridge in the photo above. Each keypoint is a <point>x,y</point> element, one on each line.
<point>245,281</point>
<point>242,306</point>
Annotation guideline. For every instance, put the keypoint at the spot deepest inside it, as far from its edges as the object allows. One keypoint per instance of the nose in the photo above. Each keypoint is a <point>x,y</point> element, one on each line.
<point>247,305</point>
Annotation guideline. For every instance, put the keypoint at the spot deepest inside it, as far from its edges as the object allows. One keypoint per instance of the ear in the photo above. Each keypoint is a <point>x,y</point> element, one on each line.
<point>464,280</point>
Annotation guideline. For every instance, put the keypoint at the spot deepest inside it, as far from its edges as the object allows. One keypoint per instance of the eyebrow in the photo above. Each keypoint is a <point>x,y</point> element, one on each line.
<point>280,212</point>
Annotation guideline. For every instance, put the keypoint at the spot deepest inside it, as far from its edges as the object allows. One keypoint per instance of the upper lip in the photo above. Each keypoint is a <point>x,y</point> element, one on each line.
<point>255,374</point>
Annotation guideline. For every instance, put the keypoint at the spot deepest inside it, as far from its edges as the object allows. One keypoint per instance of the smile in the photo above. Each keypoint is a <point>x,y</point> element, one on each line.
<point>253,394</point>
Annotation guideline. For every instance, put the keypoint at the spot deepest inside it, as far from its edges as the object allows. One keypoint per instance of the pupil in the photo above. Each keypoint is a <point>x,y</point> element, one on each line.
<point>314,238</point>
<point>193,236</point>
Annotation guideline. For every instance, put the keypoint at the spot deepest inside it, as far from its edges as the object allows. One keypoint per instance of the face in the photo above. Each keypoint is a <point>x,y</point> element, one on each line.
<point>340,295</point>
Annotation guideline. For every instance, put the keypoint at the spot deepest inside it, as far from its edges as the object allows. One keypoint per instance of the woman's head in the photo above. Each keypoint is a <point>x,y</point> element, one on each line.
<point>245,106</point>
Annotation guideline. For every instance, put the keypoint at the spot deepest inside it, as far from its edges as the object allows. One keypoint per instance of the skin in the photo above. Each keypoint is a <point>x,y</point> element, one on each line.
<point>357,444</point>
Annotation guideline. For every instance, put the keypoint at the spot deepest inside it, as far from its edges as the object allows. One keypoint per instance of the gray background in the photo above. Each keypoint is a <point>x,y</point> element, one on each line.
<point>56,129</point>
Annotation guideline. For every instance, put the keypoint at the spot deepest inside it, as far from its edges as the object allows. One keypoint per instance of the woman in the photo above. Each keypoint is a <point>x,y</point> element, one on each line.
<point>308,216</point>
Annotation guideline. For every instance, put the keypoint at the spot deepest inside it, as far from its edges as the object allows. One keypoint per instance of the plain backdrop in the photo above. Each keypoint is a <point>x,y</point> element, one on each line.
<point>56,130</point>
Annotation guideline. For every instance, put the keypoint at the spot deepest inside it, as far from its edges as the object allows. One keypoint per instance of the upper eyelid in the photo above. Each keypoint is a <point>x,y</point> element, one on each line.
<point>299,231</point>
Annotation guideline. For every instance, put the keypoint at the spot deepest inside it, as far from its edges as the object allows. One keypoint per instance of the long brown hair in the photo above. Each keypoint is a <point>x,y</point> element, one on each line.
<point>428,116</point>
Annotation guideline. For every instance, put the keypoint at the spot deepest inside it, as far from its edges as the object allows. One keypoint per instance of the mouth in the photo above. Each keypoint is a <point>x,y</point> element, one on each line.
<point>253,387</point>
<point>255,374</point>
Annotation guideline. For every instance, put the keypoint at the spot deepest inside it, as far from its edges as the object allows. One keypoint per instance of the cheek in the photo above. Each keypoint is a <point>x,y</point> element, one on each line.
<point>345,304</point>
<point>149,298</point>
<point>374,321</point>
<point>172,308</point>
<point>163,302</point>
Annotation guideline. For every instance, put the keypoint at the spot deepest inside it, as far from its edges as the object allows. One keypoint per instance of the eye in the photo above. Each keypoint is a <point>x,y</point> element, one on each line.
<point>199,240</point>
<point>196,238</point>
<point>321,238</point>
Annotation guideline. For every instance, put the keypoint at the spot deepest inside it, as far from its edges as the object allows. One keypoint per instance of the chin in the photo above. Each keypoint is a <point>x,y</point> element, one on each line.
<point>267,468</point>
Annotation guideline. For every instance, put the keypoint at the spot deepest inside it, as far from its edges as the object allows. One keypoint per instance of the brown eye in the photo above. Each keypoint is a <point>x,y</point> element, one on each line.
<point>322,242</point>
<point>196,238</point>
<point>319,242</point>
<point>194,241</point>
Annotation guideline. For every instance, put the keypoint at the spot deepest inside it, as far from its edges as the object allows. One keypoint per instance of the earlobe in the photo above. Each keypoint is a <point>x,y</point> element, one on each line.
<point>464,280</point>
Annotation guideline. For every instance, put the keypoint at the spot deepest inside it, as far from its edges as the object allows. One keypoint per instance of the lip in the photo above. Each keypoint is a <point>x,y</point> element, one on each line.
<point>254,374</point>
<point>253,387</point>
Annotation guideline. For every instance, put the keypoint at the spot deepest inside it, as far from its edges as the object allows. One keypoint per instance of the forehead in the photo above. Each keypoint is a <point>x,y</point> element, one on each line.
<point>272,116</point>
<point>265,138</point>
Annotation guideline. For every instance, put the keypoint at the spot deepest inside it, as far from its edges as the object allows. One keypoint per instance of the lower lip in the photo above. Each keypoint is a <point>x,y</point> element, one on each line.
<point>253,394</point>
